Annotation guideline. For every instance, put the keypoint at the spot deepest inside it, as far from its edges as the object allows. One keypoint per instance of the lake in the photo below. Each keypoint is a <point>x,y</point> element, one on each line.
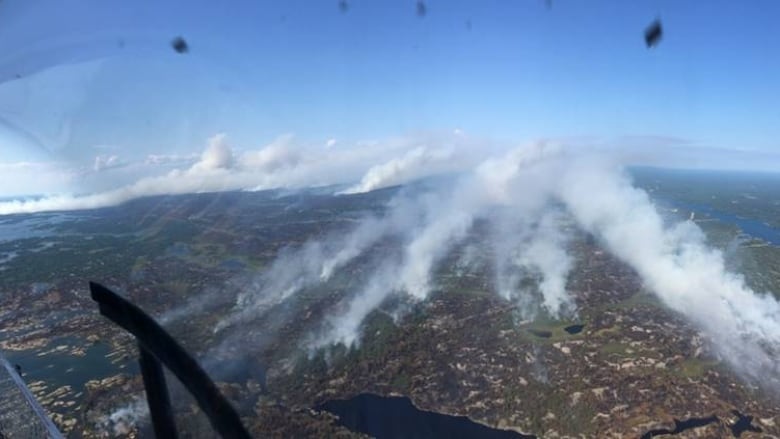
<point>391,417</point>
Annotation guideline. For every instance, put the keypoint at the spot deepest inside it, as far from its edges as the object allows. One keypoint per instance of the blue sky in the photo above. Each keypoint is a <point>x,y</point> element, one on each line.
<point>106,79</point>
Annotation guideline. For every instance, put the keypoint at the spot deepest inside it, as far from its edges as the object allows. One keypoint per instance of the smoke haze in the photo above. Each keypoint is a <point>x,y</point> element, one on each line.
<point>531,198</point>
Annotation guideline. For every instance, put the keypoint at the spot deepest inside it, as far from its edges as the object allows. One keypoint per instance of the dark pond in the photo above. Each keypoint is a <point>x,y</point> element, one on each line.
<point>574,329</point>
<point>680,426</point>
<point>396,417</point>
<point>744,423</point>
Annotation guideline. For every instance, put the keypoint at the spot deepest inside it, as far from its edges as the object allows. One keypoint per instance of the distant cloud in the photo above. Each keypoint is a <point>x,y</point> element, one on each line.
<point>287,162</point>
<point>283,163</point>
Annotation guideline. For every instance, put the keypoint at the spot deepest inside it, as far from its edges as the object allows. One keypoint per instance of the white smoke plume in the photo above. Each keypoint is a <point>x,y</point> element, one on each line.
<point>345,328</point>
<point>428,225</point>
<point>536,247</point>
<point>217,155</point>
<point>676,264</point>
<point>125,419</point>
<point>533,195</point>
<point>317,261</point>
<point>413,164</point>
<point>491,192</point>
